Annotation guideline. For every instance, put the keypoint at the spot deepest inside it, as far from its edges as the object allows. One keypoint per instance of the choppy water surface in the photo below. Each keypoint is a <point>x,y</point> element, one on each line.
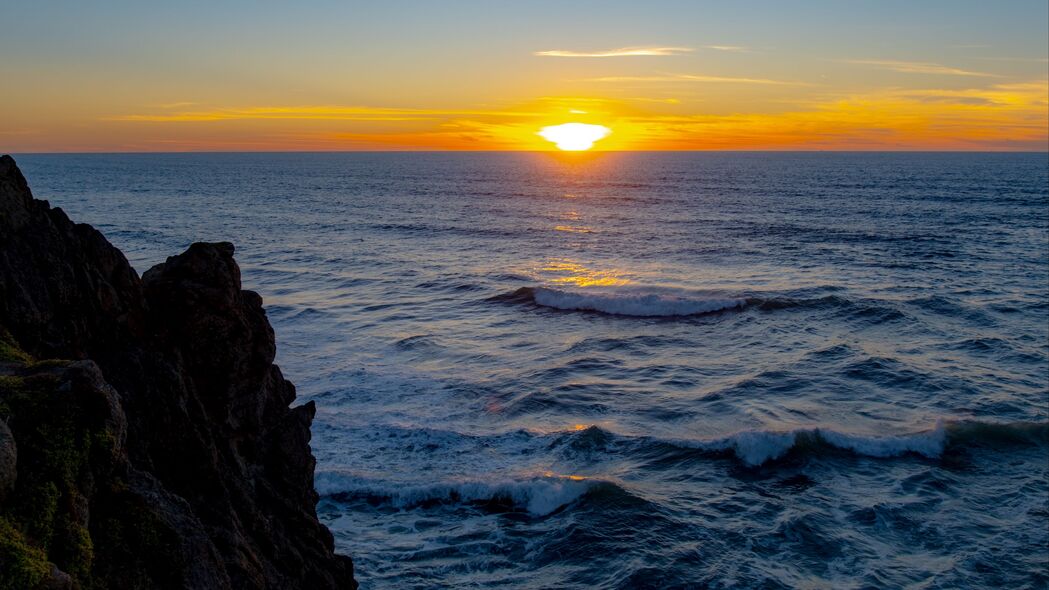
<point>644,370</point>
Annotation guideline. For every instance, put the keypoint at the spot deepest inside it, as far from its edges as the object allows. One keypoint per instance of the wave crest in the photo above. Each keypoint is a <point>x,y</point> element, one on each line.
<point>540,495</point>
<point>757,447</point>
<point>626,301</point>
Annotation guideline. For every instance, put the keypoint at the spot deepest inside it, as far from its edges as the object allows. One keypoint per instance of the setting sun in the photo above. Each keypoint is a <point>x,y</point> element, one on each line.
<point>574,137</point>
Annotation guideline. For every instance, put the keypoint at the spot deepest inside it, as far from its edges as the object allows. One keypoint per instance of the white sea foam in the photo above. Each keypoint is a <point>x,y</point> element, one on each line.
<point>633,301</point>
<point>752,447</point>
<point>759,446</point>
<point>539,495</point>
<point>929,443</point>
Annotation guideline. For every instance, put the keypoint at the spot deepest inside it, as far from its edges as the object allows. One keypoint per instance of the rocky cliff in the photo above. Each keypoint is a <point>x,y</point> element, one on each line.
<point>146,437</point>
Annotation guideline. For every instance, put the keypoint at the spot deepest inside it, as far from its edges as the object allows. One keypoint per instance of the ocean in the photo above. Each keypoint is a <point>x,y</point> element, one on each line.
<point>640,370</point>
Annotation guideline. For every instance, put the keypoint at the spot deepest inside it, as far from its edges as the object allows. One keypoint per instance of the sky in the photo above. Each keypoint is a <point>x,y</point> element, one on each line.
<point>111,76</point>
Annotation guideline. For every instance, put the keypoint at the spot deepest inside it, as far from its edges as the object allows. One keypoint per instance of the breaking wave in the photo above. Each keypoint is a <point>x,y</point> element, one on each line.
<point>648,301</point>
<point>627,301</point>
<point>544,494</point>
<point>757,447</point>
<point>539,495</point>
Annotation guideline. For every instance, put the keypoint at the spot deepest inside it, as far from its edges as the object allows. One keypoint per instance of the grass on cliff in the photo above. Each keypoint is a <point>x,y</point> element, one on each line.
<point>39,519</point>
<point>10,352</point>
<point>67,463</point>
<point>22,565</point>
<point>40,514</point>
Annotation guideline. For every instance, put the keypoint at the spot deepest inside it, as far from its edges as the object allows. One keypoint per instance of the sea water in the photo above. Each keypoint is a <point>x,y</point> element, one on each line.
<point>647,370</point>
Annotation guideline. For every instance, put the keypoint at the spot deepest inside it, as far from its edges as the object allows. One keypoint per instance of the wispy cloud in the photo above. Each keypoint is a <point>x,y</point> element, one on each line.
<point>309,112</point>
<point>1039,60</point>
<point>916,67</point>
<point>694,78</point>
<point>173,105</point>
<point>951,99</point>
<point>729,48</point>
<point>1002,116</point>
<point>621,52</point>
<point>6,132</point>
<point>656,100</point>
<point>1011,116</point>
<point>998,95</point>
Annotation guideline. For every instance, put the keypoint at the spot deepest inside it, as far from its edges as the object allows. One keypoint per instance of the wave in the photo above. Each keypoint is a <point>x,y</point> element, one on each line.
<point>755,448</point>
<point>539,495</point>
<point>626,301</point>
<point>758,447</point>
<point>544,494</point>
<point>547,493</point>
<point>650,301</point>
<point>776,303</point>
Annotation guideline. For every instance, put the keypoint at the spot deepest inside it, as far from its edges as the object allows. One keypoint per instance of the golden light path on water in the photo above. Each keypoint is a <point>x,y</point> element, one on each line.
<point>568,272</point>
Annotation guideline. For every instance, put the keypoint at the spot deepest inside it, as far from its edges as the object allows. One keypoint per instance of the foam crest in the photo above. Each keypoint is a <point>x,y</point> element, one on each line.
<point>539,495</point>
<point>633,301</point>
<point>756,447</point>
<point>929,444</point>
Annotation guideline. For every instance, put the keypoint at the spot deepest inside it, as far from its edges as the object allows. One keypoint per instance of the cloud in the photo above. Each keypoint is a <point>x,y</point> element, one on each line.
<point>1039,60</point>
<point>916,67</point>
<point>1004,116</point>
<point>7,132</point>
<point>621,52</point>
<point>729,48</point>
<point>173,105</point>
<point>998,95</point>
<point>310,112</point>
<point>1001,116</point>
<point>656,100</point>
<point>694,78</point>
<point>946,99</point>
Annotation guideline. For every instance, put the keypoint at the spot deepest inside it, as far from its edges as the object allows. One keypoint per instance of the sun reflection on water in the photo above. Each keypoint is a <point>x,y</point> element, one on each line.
<point>569,272</point>
<point>551,474</point>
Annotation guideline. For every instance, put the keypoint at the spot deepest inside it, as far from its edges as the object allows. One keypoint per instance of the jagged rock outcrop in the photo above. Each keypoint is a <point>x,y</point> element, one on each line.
<point>182,463</point>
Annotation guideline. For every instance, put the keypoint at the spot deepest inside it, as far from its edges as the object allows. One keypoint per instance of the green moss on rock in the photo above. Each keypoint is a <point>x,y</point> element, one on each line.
<point>59,445</point>
<point>75,549</point>
<point>22,565</point>
<point>10,352</point>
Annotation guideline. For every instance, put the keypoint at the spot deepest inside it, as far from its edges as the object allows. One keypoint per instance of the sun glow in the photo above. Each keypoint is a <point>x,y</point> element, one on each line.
<point>574,137</point>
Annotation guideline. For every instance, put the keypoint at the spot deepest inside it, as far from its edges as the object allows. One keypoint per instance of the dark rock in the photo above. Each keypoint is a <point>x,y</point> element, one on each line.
<point>56,580</point>
<point>8,461</point>
<point>64,290</point>
<point>202,476</point>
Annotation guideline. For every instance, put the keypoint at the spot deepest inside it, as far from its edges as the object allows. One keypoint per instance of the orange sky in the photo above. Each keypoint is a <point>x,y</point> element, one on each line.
<point>869,76</point>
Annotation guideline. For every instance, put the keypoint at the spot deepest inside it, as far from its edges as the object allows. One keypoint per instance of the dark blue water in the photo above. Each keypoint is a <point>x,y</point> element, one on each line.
<point>641,370</point>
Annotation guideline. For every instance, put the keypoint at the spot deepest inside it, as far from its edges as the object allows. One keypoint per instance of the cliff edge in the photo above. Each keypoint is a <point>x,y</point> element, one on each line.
<point>146,437</point>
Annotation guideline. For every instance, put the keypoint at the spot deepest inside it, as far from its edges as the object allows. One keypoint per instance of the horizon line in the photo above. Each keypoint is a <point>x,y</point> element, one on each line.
<point>574,153</point>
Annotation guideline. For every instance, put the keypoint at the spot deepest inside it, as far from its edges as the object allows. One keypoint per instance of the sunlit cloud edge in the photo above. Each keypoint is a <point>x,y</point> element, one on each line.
<point>620,52</point>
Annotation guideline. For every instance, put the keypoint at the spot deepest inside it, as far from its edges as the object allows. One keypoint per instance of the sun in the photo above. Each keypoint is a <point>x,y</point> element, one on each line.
<point>574,137</point>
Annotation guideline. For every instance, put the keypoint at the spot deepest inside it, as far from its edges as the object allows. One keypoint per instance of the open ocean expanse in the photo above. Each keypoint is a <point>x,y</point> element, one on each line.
<point>645,370</point>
